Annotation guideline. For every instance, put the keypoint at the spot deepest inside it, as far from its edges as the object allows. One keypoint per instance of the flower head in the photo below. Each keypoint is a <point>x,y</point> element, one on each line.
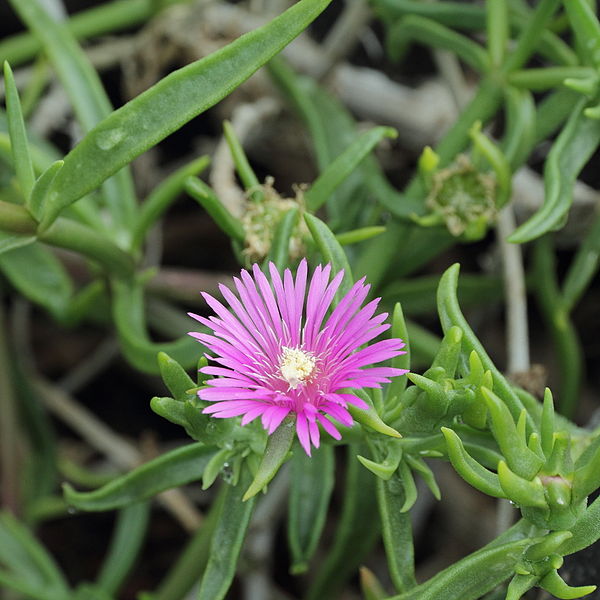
<point>278,353</point>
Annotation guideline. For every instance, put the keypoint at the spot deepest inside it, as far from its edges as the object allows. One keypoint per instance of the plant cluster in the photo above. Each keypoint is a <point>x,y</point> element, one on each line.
<point>296,375</point>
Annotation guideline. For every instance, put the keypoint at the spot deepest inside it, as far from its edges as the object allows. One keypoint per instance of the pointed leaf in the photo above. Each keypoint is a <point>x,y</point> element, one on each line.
<point>172,469</point>
<point>172,102</point>
<point>570,152</point>
<point>396,531</point>
<point>276,452</point>
<point>227,540</point>
<point>521,491</point>
<point>344,165</point>
<point>18,136</point>
<point>469,469</point>
<point>310,491</point>
<point>331,251</point>
<point>521,459</point>
<point>555,585</point>
<point>41,187</point>
<point>39,276</point>
<point>201,192</point>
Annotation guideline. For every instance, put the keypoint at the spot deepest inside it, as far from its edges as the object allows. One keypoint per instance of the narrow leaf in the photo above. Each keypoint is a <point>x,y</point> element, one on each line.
<point>469,469</point>
<point>172,469</point>
<point>39,276</point>
<point>473,576</point>
<point>276,452</point>
<point>310,491</point>
<point>356,532</point>
<point>279,254</point>
<point>41,187</point>
<point>331,251</point>
<point>344,165</point>
<point>130,530</point>
<point>172,102</point>
<point>570,152</point>
<point>201,192</point>
<point>396,529</point>
<point>90,102</point>
<point>450,314</point>
<point>162,196</point>
<point>27,559</point>
<point>18,136</point>
<point>227,540</point>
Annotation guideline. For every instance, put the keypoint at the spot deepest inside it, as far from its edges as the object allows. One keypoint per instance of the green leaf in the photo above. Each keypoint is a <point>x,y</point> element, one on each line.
<point>331,251</point>
<point>39,276</point>
<point>558,321</point>
<point>69,234</point>
<point>172,102</point>
<point>369,416</point>
<point>586,530</point>
<point>586,478</point>
<point>172,469</point>
<point>420,466</point>
<point>520,584</point>
<point>497,160</point>
<point>227,540</point>
<point>193,559</point>
<point>276,452</point>
<point>201,192</point>
<point>586,28</point>
<point>574,146</point>
<point>521,491</point>
<point>242,166</point>
<point>333,129</point>
<point>359,235</point>
<point>324,186</point>
<point>18,136</point>
<point>427,31</point>
<point>279,254</point>
<point>91,104</point>
<point>541,79</point>
<point>370,586</point>
<point>356,532</point>
<point>473,576</point>
<point>162,196</point>
<point>553,583</point>
<point>396,530</point>
<point>41,187</point>
<point>583,267</point>
<point>27,561</point>
<point>310,491</point>
<point>26,588</point>
<point>11,241</point>
<point>550,544</point>
<point>178,382</point>
<point>126,542</point>
<point>523,461</point>
<point>497,30</point>
<point>395,389</point>
<point>450,314</point>
<point>140,351</point>
<point>469,469</point>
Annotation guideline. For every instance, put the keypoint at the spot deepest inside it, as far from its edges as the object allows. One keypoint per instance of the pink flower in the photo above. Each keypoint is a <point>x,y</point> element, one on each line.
<point>275,356</point>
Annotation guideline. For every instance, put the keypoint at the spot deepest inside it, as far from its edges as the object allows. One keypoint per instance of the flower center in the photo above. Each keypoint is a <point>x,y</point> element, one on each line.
<point>296,366</point>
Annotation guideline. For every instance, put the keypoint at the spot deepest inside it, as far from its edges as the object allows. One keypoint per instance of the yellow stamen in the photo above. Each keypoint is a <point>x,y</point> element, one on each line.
<point>296,366</point>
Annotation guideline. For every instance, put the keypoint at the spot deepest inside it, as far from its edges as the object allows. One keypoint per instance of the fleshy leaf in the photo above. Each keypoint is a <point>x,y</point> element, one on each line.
<point>276,452</point>
<point>172,469</point>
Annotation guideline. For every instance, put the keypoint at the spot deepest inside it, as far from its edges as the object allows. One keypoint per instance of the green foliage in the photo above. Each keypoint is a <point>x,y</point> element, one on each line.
<point>458,408</point>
